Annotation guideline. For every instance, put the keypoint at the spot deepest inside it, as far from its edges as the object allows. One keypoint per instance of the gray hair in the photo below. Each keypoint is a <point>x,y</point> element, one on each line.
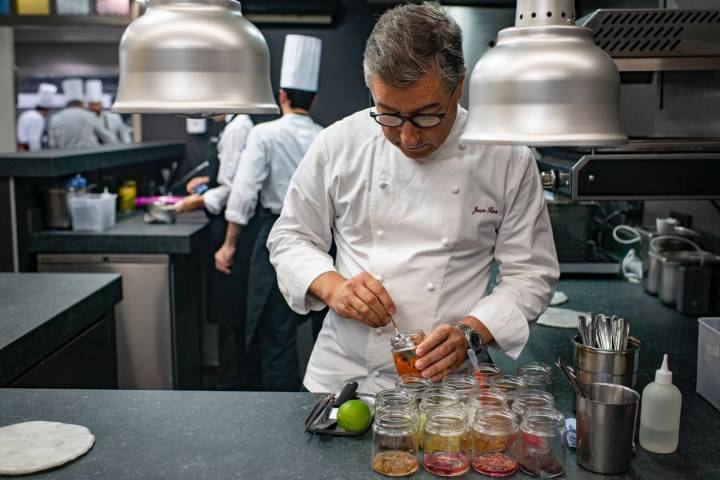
<point>410,41</point>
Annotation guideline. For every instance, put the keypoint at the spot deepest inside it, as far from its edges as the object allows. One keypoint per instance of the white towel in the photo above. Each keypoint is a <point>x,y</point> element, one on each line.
<point>560,318</point>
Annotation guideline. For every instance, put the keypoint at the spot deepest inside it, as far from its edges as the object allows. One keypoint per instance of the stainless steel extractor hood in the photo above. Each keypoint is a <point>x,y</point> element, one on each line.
<point>194,57</point>
<point>658,39</point>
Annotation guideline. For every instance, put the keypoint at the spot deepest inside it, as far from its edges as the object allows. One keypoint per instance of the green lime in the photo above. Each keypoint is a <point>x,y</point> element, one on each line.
<point>353,416</point>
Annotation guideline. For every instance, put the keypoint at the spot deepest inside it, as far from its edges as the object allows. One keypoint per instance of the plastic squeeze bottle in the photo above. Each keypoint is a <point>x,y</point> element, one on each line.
<point>660,413</point>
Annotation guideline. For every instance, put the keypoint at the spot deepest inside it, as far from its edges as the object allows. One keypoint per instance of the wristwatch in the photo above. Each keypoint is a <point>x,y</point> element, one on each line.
<point>474,340</point>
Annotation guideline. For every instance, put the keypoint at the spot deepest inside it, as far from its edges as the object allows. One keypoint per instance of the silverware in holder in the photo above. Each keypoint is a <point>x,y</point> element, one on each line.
<point>603,331</point>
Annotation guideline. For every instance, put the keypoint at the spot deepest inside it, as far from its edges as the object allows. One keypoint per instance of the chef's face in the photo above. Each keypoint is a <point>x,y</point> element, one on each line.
<point>426,96</point>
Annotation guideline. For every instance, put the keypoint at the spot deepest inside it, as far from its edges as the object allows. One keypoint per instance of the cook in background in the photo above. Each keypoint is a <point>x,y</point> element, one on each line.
<point>418,219</point>
<point>112,122</point>
<point>226,294</point>
<point>229,148</point>
<point>73,126</point>
<point>273,151</point>
<point>30,128</point>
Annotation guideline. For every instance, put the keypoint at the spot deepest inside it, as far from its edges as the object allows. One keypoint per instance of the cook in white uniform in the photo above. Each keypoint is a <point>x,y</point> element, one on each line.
<point>30,128</point>
<point>273,152</point>
<point>231,144</point>
<point>417,218</point>
<point>112,122</point>
<point>75,127</point>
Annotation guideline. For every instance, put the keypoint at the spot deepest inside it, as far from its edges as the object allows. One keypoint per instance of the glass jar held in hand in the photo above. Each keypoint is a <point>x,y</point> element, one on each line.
<point>403,351</point>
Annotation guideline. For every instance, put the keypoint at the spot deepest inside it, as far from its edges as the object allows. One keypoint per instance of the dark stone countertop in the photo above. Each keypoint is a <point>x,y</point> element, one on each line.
<point>226,435</point>
<point>40,312</point>
<point>58,163</point>
<point>129,235</point>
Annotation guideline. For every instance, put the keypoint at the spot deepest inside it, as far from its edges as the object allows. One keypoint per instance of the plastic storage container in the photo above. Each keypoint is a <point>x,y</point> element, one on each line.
<point>708,363</point>
<point>93,212</point>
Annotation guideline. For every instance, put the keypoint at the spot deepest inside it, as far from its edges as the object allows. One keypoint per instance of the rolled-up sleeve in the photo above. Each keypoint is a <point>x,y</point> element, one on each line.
<point>525,254</point>
<point>230,150</point>
<point>300,239</point>
<point>252,170</point>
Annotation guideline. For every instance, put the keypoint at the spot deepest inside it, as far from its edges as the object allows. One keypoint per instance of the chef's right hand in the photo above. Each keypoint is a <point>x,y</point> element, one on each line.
<point>361,297</point>
<point>194,182</point>
<point>224,258</point>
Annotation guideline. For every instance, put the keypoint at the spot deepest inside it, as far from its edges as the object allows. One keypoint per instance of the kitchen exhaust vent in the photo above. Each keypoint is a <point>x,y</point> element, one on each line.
<point>658,39</point>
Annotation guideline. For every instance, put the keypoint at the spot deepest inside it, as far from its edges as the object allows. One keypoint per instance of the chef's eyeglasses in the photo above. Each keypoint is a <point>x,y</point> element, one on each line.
<point>422,120</point>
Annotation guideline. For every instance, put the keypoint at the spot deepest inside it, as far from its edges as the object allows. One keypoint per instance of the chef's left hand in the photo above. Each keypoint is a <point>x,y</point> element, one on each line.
<point>441,353</point>
<point>190,203</point>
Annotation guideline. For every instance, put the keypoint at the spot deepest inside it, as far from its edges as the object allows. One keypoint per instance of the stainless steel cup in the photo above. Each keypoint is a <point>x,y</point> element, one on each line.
<point>594,365</point>
<point>651,273</point>
<point>57,212</point>
<point>606,428</point>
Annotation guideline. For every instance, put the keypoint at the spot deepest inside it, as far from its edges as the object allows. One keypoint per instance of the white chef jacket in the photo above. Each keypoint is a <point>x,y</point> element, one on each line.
<point>230,146</point>
<point>75,127</point>
<point>30,129</point>
<point>113,123</point>
<point>272,153</point>
<point>429,230</point>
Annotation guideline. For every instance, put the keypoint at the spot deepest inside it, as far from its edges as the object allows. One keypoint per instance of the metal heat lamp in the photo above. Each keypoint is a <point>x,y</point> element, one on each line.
<point>545,83</point>
<point>195,58</point>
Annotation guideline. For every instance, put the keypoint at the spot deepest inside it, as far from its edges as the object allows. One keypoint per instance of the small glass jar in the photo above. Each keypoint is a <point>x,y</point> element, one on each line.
<point>445,450</point>
<point>542,443</point>
<point>415,385</point>
<point>485,373</point>
<point>395,399</point>
<point>464,385</point>
<point>509,385</point>
<point>433,398</point>
<point>395,443</point>
<point>486,399</point>
<point>537,375</point>
<point>528,399</point>
<point>494,434</point>
<point>403,351</point>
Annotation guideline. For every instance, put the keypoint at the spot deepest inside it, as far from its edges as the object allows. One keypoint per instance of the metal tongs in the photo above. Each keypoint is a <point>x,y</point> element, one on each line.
<point>569,374</point>
<point>603,331</point>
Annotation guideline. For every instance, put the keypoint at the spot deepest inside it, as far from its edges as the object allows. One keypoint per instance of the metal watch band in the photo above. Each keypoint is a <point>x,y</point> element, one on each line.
<point>474,340</point>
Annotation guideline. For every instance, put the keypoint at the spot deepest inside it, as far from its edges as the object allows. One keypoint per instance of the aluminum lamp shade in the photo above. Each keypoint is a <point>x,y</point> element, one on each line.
<point>545,84</point>
<point>195,58</point>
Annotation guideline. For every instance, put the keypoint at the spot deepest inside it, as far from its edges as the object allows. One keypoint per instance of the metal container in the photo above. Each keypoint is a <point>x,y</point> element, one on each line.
<point>606,428</point>
<point>651,273</point>
<point>669,273</point>
<point>593,365</point>
<point>57,213</point>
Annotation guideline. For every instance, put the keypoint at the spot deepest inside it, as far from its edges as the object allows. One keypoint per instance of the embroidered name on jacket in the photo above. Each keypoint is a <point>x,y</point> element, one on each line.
<point>491,210</point>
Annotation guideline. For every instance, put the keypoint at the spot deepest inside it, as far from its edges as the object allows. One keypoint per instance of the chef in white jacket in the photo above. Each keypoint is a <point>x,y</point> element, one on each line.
<point>75,127</point>
<point>229,148</point>
<point>30,129</point>
<point>418,220</point>
<point>110,121</point>
<point>271,155</point>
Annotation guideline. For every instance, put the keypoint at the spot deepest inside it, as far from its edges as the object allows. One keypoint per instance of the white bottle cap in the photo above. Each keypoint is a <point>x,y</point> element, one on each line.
<point>663,376</point>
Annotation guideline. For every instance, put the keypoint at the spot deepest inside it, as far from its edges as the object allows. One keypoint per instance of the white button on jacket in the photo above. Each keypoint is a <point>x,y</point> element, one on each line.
<point>500,215</point>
